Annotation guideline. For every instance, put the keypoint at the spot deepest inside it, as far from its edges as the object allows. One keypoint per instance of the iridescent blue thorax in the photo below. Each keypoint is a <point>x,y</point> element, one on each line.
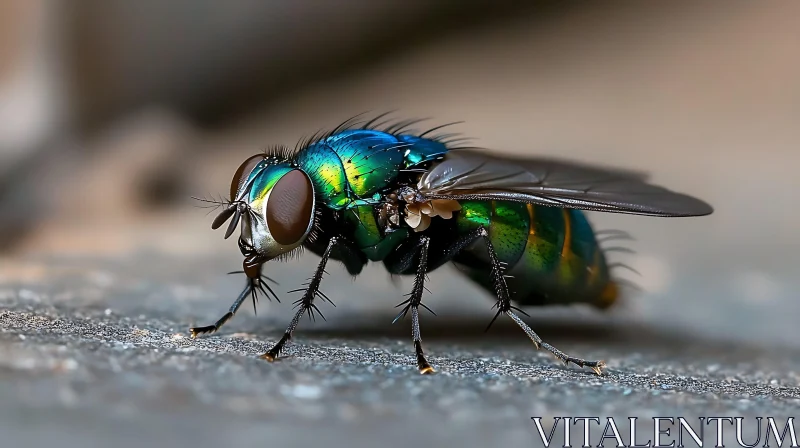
<point>352,167</point>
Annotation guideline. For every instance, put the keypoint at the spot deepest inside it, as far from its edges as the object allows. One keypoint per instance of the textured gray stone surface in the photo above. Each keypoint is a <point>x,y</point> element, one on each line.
<point>98,354</point>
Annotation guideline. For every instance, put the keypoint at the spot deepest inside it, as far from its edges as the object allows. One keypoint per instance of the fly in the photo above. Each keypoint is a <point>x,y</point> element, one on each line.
<point>416,201</point>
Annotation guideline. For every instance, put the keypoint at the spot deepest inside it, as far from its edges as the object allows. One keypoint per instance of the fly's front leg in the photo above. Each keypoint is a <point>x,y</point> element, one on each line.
<point>504,307</point>
<point>415,300</point>
<point>255,282</point>
<point>306,303</point>
<point>222,320</point>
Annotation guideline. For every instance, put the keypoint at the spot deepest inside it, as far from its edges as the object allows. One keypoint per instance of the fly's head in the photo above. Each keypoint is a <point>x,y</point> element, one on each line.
<point>274,202</point>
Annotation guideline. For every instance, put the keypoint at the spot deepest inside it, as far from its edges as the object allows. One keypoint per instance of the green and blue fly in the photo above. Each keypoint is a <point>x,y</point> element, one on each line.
<point>374,192</point>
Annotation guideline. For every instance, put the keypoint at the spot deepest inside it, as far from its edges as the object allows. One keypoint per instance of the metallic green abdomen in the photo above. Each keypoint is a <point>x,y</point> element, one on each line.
<point>550,253</point>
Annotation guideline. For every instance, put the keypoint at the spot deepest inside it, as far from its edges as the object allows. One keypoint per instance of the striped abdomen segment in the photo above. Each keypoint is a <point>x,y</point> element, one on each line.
<point>551,253</point>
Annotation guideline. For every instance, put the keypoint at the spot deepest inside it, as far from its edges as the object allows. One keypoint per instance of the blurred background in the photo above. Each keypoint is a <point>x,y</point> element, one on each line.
<point>114,113</point>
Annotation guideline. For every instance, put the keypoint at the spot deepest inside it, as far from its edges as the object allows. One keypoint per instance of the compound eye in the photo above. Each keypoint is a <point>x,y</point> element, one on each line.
<point>243,172</point>
<point>290,207</point>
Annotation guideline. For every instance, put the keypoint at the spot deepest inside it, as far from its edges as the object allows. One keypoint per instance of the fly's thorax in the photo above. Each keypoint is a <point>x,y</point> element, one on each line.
<point>356,164</point>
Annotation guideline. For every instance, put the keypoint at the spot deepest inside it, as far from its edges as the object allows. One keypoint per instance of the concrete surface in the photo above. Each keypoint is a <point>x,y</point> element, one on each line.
<point>95,352</point>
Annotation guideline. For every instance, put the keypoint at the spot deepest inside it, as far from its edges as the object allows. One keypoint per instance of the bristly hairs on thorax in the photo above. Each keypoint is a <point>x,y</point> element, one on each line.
<point>282,153</point>
<point>377,123</point>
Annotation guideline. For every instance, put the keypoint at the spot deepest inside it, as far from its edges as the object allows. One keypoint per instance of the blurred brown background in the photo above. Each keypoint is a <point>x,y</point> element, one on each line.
<point>113,113</point>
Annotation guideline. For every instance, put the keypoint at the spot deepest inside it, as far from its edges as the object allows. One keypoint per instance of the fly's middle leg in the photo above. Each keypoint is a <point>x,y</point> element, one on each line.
<point>414,301</point>
<point>306,304</point>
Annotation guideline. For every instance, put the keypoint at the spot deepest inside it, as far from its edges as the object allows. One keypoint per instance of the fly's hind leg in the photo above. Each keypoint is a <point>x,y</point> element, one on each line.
<point>596,366</point>
<point>504,307</point>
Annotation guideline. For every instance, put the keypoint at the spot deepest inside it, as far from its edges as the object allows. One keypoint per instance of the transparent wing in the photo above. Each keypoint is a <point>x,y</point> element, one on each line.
<point>465,174</point>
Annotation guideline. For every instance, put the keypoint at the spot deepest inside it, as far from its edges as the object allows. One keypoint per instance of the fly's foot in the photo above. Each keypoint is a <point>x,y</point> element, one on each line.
<point>202,330</point>
<point>426,369</point>
<point>195,331</point>
<point>269,356</point>
<point>422,363</point>
<point>424,366</point>
<point>273,354</point>
<point>596,366</point>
